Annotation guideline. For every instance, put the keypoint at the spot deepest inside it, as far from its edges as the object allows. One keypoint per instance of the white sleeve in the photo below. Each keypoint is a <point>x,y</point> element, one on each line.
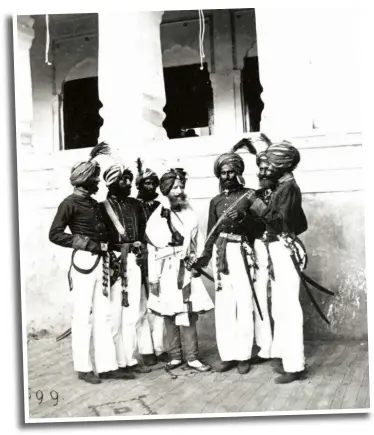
<point>157,230</point>
<point>153,265</point>
<point>199,241</point>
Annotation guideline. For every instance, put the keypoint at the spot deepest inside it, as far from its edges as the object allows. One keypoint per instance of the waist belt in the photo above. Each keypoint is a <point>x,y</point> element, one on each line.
<point>221,259</point>
<point>270,238</point>
<point>232,237</point>
<point>105,258</point>
<point>247,257</point>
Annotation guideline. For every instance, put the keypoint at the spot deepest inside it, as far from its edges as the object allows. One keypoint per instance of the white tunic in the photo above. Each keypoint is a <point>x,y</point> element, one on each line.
<point>164,263</point>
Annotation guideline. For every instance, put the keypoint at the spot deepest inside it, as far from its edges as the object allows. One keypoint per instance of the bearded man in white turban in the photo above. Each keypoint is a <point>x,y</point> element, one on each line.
<point>176,293</point>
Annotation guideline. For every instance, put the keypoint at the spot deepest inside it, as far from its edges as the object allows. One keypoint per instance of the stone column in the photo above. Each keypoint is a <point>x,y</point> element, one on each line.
<point>285,70</point>
<point>23,82</point>
<point>223,79</point>
<point>131,83</point>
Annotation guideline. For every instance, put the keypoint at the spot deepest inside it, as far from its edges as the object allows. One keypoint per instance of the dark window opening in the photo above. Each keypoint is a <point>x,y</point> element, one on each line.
<point>189,100</point>
<point>251,94</point>
<point>81,117</point>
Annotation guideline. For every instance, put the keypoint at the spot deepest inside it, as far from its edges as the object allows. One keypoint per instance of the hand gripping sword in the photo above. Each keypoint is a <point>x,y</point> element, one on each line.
<point>243,252</point>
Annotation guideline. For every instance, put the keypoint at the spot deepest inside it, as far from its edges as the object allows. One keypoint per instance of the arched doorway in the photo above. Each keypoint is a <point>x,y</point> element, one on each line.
<point>81,117</point>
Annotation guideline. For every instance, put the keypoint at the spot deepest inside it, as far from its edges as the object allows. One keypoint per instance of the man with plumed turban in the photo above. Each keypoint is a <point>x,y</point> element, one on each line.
<point>125,222</point>
<point>263,330</point>
<point>231,231</point>
<point>147,183</point>
<point>88,272</point>
<point>176,292</point>
<point>150,327</point>
<point>284,220</point>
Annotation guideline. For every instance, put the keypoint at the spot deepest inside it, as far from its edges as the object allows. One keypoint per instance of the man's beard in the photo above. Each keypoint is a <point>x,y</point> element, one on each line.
<point>147,195</point>
<point>120,192</point>
<point>178,203</point>
<point>91,186</point>
<point>230,184</point>
<point>267,183</point>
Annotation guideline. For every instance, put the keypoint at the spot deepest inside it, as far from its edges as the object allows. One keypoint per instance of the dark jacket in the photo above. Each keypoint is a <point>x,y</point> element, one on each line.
<point>82,216</point>
<point>284,213</point>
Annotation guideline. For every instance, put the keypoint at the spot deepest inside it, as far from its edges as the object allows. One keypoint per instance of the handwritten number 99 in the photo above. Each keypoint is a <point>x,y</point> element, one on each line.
<point>54,396</point>
<point>39,395</point>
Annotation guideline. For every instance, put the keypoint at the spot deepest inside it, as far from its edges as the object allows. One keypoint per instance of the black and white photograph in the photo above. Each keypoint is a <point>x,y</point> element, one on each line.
<point>191,205</point>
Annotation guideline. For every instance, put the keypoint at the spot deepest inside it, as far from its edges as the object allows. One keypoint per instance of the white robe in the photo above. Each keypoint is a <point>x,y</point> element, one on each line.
<point>164,263</point>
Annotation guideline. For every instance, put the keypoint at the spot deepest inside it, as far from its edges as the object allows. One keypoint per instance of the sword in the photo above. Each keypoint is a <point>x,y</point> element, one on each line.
<point>205,274</point>
<point>202,272</point>
<point>319,287</point>
<point>224,214</point>
<point>64,335</point>
<point>311,297</point>
<point>244,255</point>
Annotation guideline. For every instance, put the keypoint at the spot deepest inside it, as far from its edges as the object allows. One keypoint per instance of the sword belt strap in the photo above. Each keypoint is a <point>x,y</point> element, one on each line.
<point>79,269</point>
<point>232,237</point>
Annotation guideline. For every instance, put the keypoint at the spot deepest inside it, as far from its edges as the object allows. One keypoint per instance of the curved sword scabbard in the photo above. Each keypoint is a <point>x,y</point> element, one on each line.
<point>246,265</point>
<point>64,335</point>
<point>305,285</point>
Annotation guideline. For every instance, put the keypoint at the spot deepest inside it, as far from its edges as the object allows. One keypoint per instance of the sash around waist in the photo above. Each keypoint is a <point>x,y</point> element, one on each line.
<point>232,237</point>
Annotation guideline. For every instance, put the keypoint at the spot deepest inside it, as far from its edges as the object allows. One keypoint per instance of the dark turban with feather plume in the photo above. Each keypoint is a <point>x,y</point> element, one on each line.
<point>233,159</point>
<point>83,171</point>
<point>144,174</point>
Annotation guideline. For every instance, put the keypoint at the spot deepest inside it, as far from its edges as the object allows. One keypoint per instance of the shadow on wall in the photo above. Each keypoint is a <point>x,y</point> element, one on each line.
<point>336,245</point>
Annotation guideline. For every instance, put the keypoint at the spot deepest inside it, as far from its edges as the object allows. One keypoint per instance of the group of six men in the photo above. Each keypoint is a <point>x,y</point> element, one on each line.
<point>137,263</point>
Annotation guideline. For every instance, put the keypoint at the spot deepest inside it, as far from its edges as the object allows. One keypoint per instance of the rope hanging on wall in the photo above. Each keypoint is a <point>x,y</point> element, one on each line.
<point>47,43</point>
<point>201,37</point>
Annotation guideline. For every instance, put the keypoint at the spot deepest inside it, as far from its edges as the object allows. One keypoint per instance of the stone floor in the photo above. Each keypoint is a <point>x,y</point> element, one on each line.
<point>338,379</point>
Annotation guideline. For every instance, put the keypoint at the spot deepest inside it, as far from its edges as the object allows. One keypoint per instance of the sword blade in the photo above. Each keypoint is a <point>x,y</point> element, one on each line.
<point>311,297</point>
<point>244,255</point>
<point>206,274</point>
<point>315,284</point>
<point>64,335</point>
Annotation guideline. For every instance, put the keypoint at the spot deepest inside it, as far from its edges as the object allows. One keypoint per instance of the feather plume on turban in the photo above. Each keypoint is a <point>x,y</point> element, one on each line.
<point>115,172</point>
<point>168,179</point>
<point>283,155</point>
<point>144,174</point>
<point>83,171</point>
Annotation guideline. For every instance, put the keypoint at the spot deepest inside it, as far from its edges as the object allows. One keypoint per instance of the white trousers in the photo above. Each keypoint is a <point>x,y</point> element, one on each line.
<point>234,308</point>
<point>150,329</point>
<point>87,295</point>
<point>288,342</point>
<point>125,319</point>
<point>263,333</point>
